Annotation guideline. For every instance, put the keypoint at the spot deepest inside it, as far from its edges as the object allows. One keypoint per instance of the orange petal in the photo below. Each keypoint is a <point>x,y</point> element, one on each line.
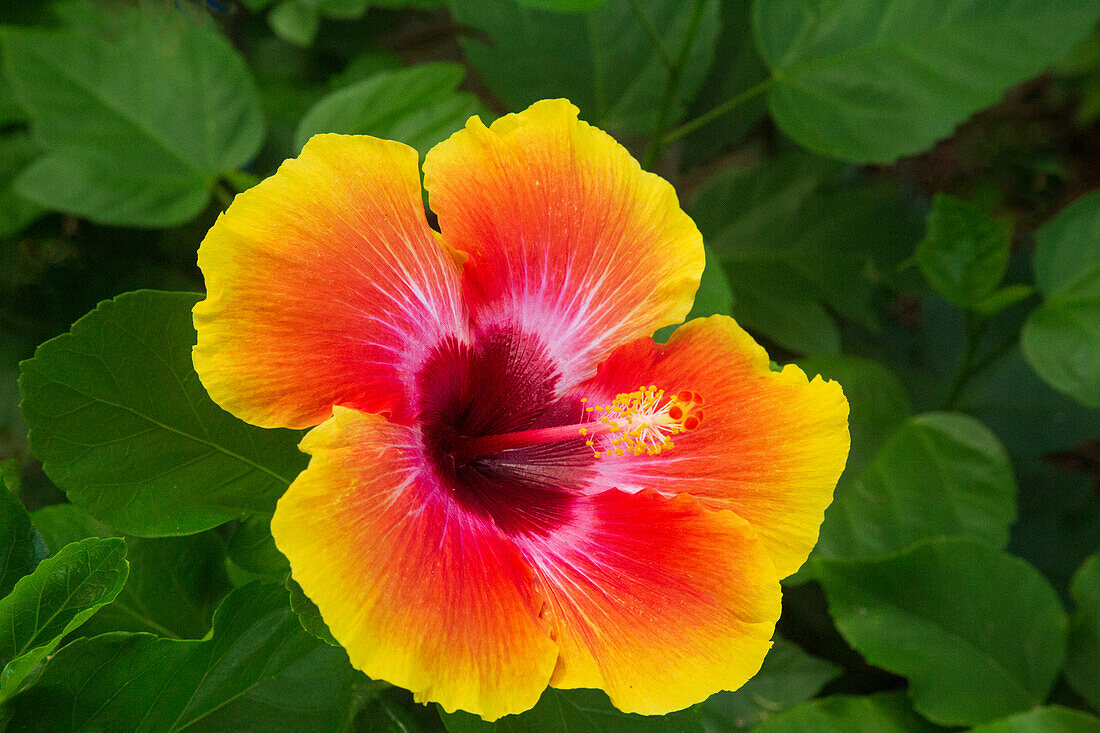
<point>771,445</point>
<point>325,286</point>
<point>657,601</point>
<point>567,237</point>
<point>420,593</point>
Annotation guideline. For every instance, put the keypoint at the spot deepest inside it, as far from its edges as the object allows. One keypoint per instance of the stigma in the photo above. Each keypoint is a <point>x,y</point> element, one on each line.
<point>642,422</point>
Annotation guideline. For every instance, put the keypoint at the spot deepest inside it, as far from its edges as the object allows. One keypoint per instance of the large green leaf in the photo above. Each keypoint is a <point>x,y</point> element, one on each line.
<point>258,671</point>
<point>308,613</point>
<point>1030,417</point>
<point>874,80</point>
<point>938,474</point>
<point>796,245</point>
<point>887,712</point>
<point>60,595</point>
<point>1083,662</point>
<point>979,634</point>
<point>1043,720</point>
<point>714,296</point>
<point>789,676</point>
<point>11,113</point>
<point>876,400</point>
<point>964,253</point>
<point>1059,524</point>
<point>1061,338</point>
<point>174,583</point>
<point>121,422</point>
<point>390,709</point>
<point>576,711</point>
<point>564,6</point>
<point>418,106</point>
<point>20,546</point>
<point>603,60</point>
<point>139,111</point>
<point>253,549</point>
<point>16,151</point>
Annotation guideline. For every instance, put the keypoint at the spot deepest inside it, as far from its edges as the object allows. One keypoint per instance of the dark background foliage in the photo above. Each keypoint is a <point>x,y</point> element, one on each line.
<point>897,194</point>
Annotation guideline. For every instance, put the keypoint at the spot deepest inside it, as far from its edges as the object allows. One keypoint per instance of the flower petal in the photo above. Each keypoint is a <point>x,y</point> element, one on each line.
<point>771,445</point>
<point>325,285</point>
<point>420,593</point>
<point>567,237</point>
<point>659,602</point>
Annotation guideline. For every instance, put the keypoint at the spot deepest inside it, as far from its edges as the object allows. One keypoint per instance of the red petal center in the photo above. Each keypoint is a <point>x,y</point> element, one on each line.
<point>504,382</point>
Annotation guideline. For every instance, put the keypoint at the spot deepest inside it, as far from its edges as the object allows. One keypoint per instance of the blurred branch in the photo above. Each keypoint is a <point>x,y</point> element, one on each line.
<point>970,365</point>
<point>654,36</point>
<point>672,89</point>
<point>721,110</point>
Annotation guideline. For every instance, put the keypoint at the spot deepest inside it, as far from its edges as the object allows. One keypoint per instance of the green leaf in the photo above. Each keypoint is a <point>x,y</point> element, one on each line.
<point>576,711</point>
<point>964,253</point>
<point>308,613</point>
<point>16,151</point>
<point>258,670</point>
<point>979,634</point>
<point>1062,336</point>
<point>564,6</point>
<point>60,595</point>
<point>887,712</point>
<point>139,111</point>
<point>1059,523</point>
<point>877,402</point>
<point>715,295</point>
<point>122,424</point>
<point>938,474</point>
<point>789,676</point>
<point>873,80</point>
<point>1044,720</point>
<point>418,106</point>
<point>794,242</point>
<point>63,524</point>
<point>11,113</point>
<point>737,68</point>
<point>174,583</point>
<point>603,60</point>
<point>21,548</point>
<point>1003,298</point>
<point>1029,416</point>
<point>253,548</point>
<point>390,709</point>
<point>1083,662</point>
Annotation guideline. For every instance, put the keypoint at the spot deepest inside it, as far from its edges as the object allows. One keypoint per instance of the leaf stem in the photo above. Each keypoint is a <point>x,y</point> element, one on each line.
<point>975,328</point>
<point>672,89</point>
<point>654,36</point>
<point>721,110</point>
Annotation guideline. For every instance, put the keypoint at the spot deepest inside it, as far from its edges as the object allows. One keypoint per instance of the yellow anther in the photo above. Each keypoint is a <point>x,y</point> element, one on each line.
<point>642,422</point>
<point>583,431</point>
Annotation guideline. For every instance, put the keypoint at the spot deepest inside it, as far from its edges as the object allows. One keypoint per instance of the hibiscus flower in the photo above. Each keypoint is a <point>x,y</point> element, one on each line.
<point>511,485</point>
